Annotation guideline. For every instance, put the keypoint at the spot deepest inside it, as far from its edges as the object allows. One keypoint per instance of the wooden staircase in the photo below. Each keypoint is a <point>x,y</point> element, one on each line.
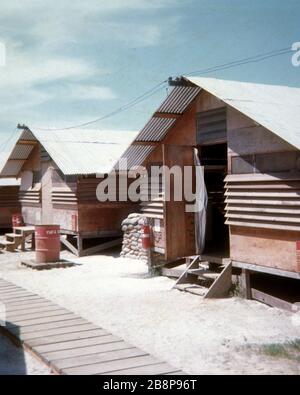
<point>17,239</point>
<point>204,278</point>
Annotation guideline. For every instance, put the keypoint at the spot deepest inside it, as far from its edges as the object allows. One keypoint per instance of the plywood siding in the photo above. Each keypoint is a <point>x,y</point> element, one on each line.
<point>262,195</point>
<point>265,247</point>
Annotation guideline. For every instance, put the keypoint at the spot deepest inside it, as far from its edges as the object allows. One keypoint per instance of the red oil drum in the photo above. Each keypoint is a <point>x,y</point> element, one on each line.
<point>146,237</point>
<point>17,220</point>
<point>47,243</point>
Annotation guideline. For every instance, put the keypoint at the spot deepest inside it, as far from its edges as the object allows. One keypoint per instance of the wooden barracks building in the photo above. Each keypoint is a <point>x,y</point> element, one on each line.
<point>59,172</point>
<point>248,140</point>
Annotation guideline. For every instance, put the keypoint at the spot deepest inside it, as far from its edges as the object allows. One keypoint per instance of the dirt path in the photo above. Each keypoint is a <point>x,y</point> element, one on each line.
<point>198,336</point>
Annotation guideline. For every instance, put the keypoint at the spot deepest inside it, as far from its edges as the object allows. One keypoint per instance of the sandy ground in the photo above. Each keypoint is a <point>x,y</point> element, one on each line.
<point>195,335</point>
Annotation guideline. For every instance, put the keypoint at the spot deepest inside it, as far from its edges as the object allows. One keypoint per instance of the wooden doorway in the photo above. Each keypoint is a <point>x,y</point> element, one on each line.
<point>213,158</point>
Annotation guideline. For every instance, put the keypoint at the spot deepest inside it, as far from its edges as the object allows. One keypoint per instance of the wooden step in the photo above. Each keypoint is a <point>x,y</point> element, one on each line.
<point>13,235</point>
<point>24,229</point>
<point>192,288</point>
<point>6,243</point>
<point>206,274</point>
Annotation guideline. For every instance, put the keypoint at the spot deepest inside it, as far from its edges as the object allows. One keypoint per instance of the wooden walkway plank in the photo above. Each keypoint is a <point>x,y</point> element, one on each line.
<point>20,296</point>
<point>22,301</point>
<point>157,369</point>
<point>24,304</point>
<point>66,323</point>
<point>8,291</point>
<point>32,310</point>
<point>107,367</point>
<point>68,343</point>
<point>90,350</point>
<point>100,357</point>
<point>77,343</point>
<point>66,337</point>
<point>25,316</point>
<point>57,331</point>
<point>43,320</point>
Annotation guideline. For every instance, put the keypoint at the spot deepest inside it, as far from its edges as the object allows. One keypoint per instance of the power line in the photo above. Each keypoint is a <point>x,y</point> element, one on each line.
<point>126,106</point>
<point>239,62</point>
<point>3,145</point>
<point>156,88</point>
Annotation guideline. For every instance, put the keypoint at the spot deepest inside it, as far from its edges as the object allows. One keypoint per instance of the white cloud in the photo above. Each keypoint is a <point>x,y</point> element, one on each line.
<point>89,6</point>
<point>90,92</point>
<point>54,49</point>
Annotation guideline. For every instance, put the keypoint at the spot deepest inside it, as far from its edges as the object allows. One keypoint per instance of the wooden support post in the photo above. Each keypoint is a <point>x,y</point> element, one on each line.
<point>246,283</point>
<point>33,241</point>
<point>79,245</point>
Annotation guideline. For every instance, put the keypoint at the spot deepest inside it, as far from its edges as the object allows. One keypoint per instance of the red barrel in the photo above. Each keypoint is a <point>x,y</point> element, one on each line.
<point>17,220</point>
<point>146,236</point>
<point>47,243</point>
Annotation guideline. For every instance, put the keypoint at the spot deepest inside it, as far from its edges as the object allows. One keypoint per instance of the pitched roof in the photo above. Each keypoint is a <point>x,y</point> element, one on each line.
<point>275,107</point>
<point>7,182</point>
<point>75,151</point>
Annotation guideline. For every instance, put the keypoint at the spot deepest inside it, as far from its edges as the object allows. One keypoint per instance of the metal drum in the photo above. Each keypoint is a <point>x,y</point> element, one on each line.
<point>47,243</point>
<point>17,220</point>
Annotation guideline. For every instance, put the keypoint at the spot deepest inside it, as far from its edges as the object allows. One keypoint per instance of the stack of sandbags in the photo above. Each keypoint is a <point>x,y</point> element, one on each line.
<point>132,237</point>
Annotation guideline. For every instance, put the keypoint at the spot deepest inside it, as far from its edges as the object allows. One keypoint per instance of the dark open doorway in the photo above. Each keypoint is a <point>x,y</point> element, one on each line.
<point>214,159</point>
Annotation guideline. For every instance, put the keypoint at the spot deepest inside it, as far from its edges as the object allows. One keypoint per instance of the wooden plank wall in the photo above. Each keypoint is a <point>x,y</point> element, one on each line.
<point>262,195</point>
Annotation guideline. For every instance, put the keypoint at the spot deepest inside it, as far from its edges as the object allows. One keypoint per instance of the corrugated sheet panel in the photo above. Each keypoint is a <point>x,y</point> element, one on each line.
<point>27,135</point>
<point>156,129</point>
<point>135,155</point>
<point>75,151</point>
<point>85,151</point>
<point>277,108</point>
<point>21,151</point>
<point>12,168</point>
<point>179,99</point>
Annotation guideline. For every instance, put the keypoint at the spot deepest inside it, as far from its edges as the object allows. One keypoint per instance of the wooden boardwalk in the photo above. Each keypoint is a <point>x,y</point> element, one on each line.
<point>69,344</point>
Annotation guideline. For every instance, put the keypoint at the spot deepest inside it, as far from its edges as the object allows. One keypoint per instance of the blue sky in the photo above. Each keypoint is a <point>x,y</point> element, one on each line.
<point>70,61</point>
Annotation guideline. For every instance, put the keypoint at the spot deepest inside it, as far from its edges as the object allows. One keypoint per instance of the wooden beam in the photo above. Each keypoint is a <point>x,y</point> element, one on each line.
<point>273,301</point>
<point>167,115</point>
<point>27,142</point>
<point>265,269</point>
<point>246,283</point>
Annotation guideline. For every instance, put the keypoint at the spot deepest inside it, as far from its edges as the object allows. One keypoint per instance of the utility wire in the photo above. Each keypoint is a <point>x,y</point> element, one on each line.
<point>3,145</point>
<point>251,59</point>
<point>156,88</point>
<point>126,106</point>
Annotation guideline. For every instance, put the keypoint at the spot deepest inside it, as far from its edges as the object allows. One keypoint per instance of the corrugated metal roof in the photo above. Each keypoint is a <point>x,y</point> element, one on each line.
<point>275,107</point>
<point>158,126</point>
<point>12,168</point>
<point>75,151</point>
<point>135,156</point>
<point>21,151</point>
<point>156,129</point>
<point>4,182</point>
<point>179,99</point>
